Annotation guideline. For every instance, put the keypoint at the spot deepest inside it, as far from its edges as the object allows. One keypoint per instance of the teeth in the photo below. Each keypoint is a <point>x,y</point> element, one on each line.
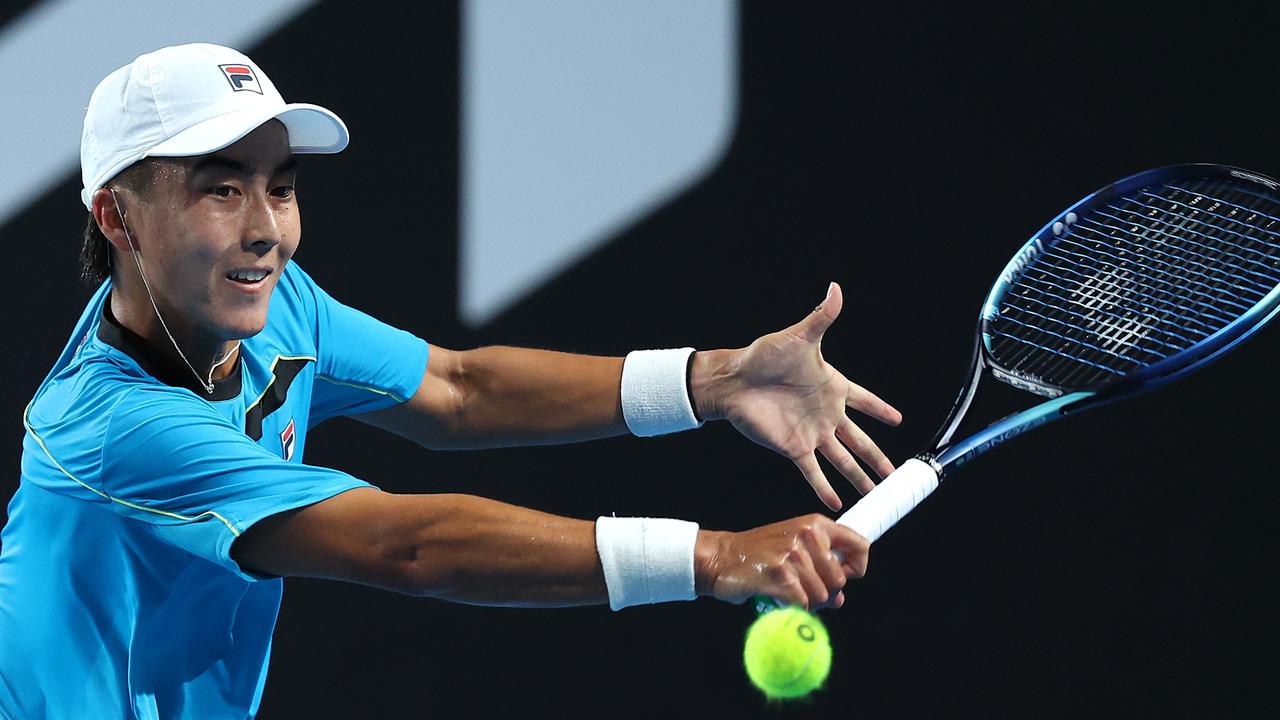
<point>248,275</point>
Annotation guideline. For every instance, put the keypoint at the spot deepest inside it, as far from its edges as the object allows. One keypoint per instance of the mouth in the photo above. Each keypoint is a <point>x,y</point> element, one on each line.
<point>249,278</point>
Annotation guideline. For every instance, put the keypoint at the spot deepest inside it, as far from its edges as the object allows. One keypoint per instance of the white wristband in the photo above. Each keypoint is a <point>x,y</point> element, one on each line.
<point>646,560</point>
<point>655,394</point>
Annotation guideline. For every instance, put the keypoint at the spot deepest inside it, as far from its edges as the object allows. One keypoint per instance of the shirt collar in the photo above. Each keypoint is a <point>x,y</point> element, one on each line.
<point>111,332</point>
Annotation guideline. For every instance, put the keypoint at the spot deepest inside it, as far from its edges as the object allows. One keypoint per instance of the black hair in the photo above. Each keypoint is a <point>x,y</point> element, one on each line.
<point>95,253</point>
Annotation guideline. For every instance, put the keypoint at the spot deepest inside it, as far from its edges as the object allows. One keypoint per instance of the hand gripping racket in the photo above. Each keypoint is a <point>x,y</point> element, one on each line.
<point>1132,287</point>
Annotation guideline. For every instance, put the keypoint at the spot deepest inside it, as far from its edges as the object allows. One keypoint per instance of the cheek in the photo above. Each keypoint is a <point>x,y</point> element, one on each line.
<point>290,224</point>
<point>199,259</point>
<point>190,261</point>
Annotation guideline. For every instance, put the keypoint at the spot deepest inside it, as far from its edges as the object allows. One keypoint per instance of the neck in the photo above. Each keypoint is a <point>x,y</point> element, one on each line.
<point>178,345</point>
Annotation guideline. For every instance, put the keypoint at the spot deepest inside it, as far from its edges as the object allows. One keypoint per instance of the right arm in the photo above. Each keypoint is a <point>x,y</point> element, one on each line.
<point>474,550</point>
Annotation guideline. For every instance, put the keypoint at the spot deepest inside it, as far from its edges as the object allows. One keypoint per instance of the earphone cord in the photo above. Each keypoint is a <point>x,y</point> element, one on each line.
<point>207,384</point>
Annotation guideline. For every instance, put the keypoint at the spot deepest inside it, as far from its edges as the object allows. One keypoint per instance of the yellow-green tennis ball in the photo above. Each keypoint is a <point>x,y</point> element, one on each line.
<point>787,654</point>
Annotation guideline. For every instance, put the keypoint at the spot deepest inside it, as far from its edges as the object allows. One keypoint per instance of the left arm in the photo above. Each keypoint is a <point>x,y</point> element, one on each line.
<point>778,391</point>
<point>504,396</point>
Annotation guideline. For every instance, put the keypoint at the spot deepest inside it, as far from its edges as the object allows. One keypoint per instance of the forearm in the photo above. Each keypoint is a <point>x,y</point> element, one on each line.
<point>503,396</point>
<point>536,396</point>
<point>474,550</point>
<point>517,396</point>
<point>458,547</point>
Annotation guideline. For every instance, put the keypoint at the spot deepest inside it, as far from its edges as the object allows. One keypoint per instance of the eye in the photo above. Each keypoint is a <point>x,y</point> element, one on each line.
<point>222,191</point>
<point>284,192</point>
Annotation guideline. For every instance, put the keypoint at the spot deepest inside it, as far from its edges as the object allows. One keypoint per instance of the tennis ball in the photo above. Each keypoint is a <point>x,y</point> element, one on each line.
<point>787,653</point>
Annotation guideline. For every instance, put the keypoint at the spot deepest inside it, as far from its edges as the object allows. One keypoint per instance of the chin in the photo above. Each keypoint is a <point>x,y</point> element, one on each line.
<point>244,328</point>
<point>248,332</point>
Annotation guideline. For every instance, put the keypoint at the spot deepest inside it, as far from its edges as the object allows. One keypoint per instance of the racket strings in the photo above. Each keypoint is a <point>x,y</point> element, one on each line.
<point>1173,249</point>
<point>1255,205</point>
<point>1096,293</point>
<point>1134,328</point>
<point>1155,354</point>
<point>1261,268</point>
<point>1042,309</point>
<point>1139,279</point>
<point>1179,262</point>
<point>1163,283</point>
<point>1162,301</point>
<point>1230,225</point>
<point>1164,279</point>
<point>1231,232</point>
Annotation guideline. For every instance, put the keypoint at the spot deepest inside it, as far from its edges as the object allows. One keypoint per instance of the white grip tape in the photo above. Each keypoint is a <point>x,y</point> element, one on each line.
<point>894,497</point>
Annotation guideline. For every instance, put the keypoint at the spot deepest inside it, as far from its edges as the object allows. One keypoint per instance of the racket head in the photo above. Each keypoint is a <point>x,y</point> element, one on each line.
<point>1138,283</point>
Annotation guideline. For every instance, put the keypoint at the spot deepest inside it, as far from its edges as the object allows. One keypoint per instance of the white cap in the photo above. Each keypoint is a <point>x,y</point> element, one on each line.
<point>190,100</point>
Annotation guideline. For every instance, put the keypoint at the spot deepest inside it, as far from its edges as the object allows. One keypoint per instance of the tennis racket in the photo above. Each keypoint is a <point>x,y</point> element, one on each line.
<point>1132,287</point>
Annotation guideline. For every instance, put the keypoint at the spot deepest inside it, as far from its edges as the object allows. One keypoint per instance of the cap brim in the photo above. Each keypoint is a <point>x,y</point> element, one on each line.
<point>312,130</point>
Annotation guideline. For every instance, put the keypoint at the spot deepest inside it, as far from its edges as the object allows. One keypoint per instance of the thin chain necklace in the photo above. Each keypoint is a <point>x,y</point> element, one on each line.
<point>206,383</point>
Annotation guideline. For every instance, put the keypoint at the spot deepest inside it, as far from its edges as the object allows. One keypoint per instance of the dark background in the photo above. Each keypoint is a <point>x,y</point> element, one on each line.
<point>1111,563</point>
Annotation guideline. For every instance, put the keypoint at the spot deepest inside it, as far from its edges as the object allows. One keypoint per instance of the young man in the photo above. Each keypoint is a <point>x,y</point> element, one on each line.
<point>163,495</point>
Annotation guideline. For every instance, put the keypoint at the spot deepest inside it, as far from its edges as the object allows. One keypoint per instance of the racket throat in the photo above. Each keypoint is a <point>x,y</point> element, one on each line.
<point>961,405</point>
<point>953,445</point>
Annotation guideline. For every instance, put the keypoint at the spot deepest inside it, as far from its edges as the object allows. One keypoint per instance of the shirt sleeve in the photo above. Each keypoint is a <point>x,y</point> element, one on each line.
<point>171,461</point>
<point>362,364</point>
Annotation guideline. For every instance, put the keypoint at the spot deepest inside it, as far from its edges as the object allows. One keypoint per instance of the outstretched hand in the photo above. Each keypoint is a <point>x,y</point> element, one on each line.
<point>780,393</point>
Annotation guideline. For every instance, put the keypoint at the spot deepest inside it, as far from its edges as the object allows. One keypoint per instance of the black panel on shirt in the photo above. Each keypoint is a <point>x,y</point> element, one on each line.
<point>283,373</point>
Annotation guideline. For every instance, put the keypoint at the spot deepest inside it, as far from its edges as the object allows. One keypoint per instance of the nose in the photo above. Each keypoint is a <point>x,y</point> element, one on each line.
<point>262,230</point>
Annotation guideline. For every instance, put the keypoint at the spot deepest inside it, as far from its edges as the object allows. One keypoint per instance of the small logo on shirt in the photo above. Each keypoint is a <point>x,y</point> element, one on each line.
<point>241,78</point>
<point>286,440</point>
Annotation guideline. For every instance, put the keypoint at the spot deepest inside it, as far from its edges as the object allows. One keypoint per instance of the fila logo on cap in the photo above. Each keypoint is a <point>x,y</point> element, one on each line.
<point>241,78</point>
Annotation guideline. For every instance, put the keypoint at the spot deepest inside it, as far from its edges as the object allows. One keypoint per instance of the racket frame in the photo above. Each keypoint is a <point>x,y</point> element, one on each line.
<point>946,454</point>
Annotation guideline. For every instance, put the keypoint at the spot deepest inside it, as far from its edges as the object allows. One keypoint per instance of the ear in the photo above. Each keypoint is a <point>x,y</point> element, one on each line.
<point>109,217</point>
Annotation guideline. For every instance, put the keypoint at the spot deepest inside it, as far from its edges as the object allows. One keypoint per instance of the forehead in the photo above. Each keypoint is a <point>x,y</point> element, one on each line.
<point>264,151</point>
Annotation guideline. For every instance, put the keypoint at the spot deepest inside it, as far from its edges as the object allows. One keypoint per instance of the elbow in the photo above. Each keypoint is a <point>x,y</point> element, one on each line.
<point>436,546</point>
<point>459,393</point>
<point>444,428</point>
<point>423,558</point>
<point>410,569</point>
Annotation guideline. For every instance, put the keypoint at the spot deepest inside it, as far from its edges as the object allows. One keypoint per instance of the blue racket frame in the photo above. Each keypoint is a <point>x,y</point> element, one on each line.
<point>1063,401</point>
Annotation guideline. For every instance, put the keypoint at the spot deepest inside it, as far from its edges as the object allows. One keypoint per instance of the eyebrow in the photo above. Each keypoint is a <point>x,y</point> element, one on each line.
<point>210,162</point>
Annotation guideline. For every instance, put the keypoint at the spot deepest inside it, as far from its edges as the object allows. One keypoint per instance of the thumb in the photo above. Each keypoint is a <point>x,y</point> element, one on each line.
<point>812,327</point>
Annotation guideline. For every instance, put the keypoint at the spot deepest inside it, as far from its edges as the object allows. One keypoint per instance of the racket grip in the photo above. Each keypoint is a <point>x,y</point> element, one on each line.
<point>879,510</point>
<point>894,497</point>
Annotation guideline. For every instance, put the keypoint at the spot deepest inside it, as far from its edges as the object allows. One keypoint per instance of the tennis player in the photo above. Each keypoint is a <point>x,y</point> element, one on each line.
<point>163,494</point>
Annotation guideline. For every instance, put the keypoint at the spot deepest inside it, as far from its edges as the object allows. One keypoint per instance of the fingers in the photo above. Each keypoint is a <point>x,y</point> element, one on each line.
<point>866,402</point>
<point>854,547</point>
<point>808,465</point>
<point>862,445</point>
<point>835,452</point>
<point>813,571</point>
<point>824,563</point>
<point>816,592</point>
<point>809,575</point>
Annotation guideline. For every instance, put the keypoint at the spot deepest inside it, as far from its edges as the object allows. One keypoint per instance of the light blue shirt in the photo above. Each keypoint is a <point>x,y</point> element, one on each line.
<point>118,594</point>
